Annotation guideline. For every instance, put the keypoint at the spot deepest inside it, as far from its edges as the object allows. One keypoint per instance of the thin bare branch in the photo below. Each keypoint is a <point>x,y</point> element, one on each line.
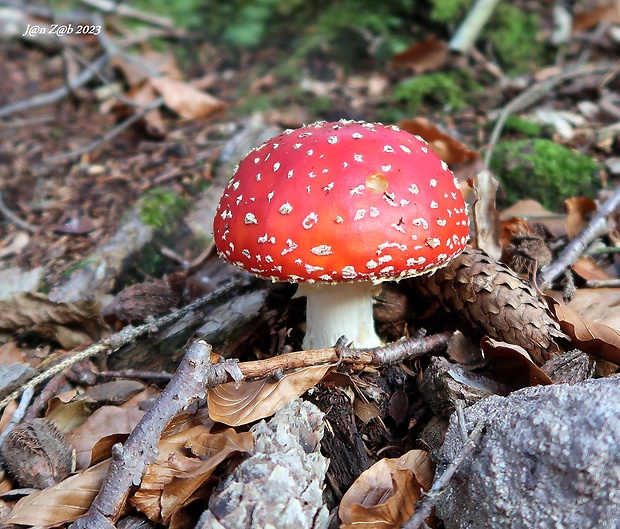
<point>577,247</point>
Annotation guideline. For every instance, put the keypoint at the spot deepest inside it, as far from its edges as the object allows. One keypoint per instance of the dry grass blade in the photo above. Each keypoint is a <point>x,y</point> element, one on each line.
<point>255,400</point>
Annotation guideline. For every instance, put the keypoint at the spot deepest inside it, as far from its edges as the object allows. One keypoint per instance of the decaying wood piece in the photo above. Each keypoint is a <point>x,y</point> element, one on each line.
<point>493,299</point>
<point>443,385</point>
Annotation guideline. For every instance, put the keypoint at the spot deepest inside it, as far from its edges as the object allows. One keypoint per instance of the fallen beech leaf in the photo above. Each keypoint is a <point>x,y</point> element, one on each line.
<point>578,208</point>
<point>448,148</point>
<point>514,363</point>
<point>172,480</point>
<point>384,495</point>
<point>61,503</point>
<point>586,268</point>
<point>70,324</point>
<point>185,100</point>
<point>261,398</point>
<point>594,338</point>
<point>107,422</point>
<point>425,56</point>
<point>601,305</point>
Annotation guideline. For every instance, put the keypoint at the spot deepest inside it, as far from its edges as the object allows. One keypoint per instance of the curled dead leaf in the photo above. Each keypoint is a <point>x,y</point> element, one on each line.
<point>594,338</point>
<point>514,363</point>
<point>187,101</point>
<point>235,405</point>
<point>384,496</point>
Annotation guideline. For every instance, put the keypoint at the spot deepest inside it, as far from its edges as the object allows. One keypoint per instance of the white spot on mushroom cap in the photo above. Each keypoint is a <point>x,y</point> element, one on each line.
<point>311,269</point>
<point>386,168</point>
<point>358,157</point>
<point>433,182</point>
<point>357,135</point>
<point>310,220</point>
<point>388,148</point>
<point>374,212</point>
<point>322,249</point>
<point>289,174</point>
<point>290,246</point>
<point>424,149</point>
<point>276,166</point>
<point>348,272</point>
<point>285,208</point>
<point>250,218</point>
<point>310,152</point>
<point>332,139</point>
<point>357,190</point>
<point>359,214</point>
<point>405,149</point>
<point>434,204</point>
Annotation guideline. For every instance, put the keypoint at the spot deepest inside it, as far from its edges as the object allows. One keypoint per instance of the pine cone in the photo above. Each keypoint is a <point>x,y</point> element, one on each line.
<point>495,300</point>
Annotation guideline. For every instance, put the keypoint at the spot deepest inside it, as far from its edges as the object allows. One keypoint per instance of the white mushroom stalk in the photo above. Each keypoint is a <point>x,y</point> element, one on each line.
<point>336,310</point>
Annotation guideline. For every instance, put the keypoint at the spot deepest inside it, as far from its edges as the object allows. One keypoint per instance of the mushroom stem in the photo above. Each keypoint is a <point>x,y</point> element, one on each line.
<point>336,310</point>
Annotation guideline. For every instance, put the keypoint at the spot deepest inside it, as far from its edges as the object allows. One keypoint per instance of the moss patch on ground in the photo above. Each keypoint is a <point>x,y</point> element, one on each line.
<point>544,171</point>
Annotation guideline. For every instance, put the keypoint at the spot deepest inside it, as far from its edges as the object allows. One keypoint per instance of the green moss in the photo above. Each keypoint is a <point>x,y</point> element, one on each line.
<point>448,89</point>
<point>159,209</point>
<point>544,171</point>
<point>525,127</point>
<point>514,35</point>
<point>449,10</point>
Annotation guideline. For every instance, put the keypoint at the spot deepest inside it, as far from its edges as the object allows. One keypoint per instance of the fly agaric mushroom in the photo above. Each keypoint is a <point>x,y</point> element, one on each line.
<point>339,208</point>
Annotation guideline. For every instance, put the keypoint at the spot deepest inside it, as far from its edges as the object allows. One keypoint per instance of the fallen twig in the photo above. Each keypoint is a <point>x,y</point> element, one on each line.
<point>427,503</point>
<point>6,211</point>
<point>56,95</point>
<point>470,28</point>
<point>122,126</point>
<point>574,249</point>
<point>603,283</point>
<point>535,93</point>
<point>18,414</point>
<point>130,460</point>
<point>130,333</point>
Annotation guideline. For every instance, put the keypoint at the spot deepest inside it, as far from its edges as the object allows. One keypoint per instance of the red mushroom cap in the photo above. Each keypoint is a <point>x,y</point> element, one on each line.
<point>343,201</point>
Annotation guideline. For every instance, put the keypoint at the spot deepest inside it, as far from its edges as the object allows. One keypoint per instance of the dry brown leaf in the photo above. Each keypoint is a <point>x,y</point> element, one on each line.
<point>586,268</point>
<point>255,400</point>
<point>384,495</point>
<point>486,216</point>
<point>172,480</point>
<point>61,503</point>
<point>425,56</point>
<point>607,12</point>
<point>514,363</point>
<point>108,423</point>
<point>534,212</point>
<point>185,100</point>
<point>596,339</point>
<point>448,148</point>
<point>601,305</point>
<point>70,324</point>
<point>579,209</point>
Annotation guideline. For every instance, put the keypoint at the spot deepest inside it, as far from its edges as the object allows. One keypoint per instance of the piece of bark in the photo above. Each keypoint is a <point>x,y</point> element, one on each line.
<point>547,458</point>
<point>342,441</point>
<point>570,368</point>
<point>281,484</point>
<point>444,384</point>
<point>98,272</point>
<point>491,298</point>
